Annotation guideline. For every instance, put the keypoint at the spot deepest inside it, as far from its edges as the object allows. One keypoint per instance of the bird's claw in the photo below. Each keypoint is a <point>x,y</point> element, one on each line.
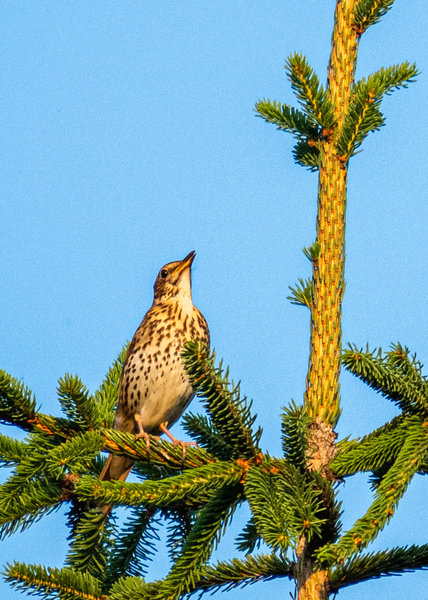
<point>174,440</point>
<point>143,435</point>
<point>183,446</point>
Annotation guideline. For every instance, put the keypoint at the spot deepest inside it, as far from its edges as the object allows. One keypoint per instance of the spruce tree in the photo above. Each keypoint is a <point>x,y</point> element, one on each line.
<point>292,498</point>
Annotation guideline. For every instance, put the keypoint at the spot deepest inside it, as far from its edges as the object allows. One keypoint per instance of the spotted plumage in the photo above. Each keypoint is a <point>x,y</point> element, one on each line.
<point>154,389</point>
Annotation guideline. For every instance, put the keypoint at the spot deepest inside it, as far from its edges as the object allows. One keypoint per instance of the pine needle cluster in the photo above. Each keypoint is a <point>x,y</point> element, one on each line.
<point>197,495</point>
<point>315,120</point>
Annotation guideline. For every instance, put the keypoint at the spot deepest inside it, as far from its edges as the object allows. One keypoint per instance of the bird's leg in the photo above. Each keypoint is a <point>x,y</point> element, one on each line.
<point>163,427</point>
<point>140,431</point>
<point>143,434</point>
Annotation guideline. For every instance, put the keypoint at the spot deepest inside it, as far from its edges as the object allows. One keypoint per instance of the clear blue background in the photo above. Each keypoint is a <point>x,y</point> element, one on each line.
<point>129,139</point>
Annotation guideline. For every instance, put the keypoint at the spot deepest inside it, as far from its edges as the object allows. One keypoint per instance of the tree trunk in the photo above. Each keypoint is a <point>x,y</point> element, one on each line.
<point>322,384</point>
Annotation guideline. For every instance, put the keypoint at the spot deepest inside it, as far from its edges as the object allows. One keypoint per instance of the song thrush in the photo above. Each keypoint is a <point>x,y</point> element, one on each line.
<point>154,389</point>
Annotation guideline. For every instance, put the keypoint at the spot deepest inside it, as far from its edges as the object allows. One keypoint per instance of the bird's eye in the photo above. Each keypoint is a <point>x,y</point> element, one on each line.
<point>163,273</point>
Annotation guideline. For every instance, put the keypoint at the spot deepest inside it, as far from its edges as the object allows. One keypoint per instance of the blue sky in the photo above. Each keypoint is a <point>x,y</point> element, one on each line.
<point>128,139</point>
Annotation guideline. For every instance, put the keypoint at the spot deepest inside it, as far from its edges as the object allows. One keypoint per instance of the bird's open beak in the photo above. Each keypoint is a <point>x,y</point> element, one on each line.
<point>185,263</point>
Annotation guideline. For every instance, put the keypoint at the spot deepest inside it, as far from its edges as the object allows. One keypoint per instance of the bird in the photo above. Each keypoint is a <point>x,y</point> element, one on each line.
<point>154,388</point>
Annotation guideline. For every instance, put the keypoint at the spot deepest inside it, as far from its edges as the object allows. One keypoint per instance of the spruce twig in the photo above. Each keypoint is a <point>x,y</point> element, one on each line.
<point>49,583</point>
<point>373,451</point>
<point>192,487</point>
<point>201,541</point>
<point>395,561</point>
<point>408,389</point>
<point>413,453</point>
<point>230,414</point>
<point>134,545</point>
<point>227,575</point>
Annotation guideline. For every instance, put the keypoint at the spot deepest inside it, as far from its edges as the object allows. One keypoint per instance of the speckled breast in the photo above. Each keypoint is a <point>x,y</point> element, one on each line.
<point>154,384</point>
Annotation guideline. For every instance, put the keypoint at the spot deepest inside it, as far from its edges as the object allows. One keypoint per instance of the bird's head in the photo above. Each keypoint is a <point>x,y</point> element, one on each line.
<point>174,280</point>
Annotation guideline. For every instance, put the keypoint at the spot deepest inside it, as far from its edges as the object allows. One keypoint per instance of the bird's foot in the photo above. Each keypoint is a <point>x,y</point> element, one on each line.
<point>140,431</point>
<point>163,428</point>
<point>143,435</point>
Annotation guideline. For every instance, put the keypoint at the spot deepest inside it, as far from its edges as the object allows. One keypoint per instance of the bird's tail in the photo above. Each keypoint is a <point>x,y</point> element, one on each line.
<point>116,468</point>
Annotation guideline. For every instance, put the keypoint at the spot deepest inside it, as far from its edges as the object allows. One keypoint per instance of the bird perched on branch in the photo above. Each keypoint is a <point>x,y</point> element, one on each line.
<point>154,389</point>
